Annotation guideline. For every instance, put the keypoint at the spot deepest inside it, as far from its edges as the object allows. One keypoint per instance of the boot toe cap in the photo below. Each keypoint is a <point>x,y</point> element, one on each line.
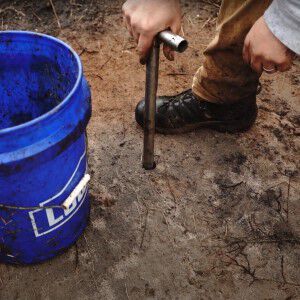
<point>140,109</point>
<point>139,112</point>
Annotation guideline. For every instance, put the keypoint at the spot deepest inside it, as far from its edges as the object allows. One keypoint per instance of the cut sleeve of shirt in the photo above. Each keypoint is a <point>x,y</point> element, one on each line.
<point>283,19</point>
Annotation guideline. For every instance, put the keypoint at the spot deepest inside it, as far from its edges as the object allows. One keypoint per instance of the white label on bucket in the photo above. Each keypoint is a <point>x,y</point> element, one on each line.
<point>46,220</point>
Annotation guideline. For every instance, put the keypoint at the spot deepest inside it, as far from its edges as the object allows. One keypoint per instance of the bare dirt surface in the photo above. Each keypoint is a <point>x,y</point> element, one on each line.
<point>217,219</point>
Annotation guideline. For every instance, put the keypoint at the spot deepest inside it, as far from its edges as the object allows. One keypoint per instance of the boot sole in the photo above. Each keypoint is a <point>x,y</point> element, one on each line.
<point>220,126</point>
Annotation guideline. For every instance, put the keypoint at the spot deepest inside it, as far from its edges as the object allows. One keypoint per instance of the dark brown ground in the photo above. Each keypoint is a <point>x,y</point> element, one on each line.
<point>217,219</point>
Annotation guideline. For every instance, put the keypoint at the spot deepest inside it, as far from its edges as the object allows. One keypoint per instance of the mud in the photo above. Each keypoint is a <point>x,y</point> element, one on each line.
<point>219,216</point>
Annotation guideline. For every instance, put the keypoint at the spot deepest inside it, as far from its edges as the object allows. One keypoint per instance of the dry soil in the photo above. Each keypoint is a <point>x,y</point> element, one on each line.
<point>217,219</point>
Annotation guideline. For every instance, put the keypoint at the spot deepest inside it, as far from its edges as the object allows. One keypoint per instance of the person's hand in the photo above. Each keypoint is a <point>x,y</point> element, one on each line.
<point>264,52</point>
<point>144,19</point>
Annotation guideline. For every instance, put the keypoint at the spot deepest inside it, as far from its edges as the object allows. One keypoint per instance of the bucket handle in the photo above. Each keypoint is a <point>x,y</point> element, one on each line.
<point>83,182</point>
<point>65,205</point>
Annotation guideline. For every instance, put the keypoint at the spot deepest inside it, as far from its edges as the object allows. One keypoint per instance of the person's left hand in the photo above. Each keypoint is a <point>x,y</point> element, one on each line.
<point>263,51</point>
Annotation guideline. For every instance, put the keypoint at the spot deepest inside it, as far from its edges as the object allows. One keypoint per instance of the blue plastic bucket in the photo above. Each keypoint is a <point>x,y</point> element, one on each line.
<point>44,110</point>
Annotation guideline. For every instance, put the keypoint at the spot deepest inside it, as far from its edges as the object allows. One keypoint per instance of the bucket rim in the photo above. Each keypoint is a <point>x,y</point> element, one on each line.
<point>66,100</point>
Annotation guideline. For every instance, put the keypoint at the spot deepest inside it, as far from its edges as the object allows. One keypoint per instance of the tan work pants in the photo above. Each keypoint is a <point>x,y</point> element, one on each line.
<point>224,77</point>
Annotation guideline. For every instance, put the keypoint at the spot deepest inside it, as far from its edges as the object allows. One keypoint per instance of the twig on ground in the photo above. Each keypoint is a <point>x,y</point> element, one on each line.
<point>36,16</point>
<point>12,9</point>
<point>189,20</point>
<point>85,50</point>
<point>177,74</point>
<point>247,268</point>
<point>106,62</point>
<point>211,3</point>
<point>288,200</point>
<point>55,14</point>
<point>83,15</point>
<point>231,185</point>
<point>282,269</point>
<point>182,31</point>
<point>206,22</point>
<point>144,228</point>
<point>95,75</point>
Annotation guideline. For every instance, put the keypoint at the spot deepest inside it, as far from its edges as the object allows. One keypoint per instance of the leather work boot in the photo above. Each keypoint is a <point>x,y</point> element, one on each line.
<point>184,113</point>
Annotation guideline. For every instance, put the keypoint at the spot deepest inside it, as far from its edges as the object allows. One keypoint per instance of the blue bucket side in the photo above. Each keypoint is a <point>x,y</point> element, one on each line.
<point>33,235</point>
<point>50,169</point>
<point>41,163</point>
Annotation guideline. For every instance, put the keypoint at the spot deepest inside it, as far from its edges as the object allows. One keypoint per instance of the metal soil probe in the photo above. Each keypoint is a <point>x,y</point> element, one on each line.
<point>178,44</point>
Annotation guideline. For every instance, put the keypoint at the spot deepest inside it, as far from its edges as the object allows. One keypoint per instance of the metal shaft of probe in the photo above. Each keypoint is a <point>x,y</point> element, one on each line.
<point>150,105</point>
<point>178,44</point>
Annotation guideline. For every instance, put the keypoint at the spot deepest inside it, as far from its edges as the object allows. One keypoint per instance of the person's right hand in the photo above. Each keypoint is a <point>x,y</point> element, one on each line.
<point>144,19</point>
<point>263,51</point>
